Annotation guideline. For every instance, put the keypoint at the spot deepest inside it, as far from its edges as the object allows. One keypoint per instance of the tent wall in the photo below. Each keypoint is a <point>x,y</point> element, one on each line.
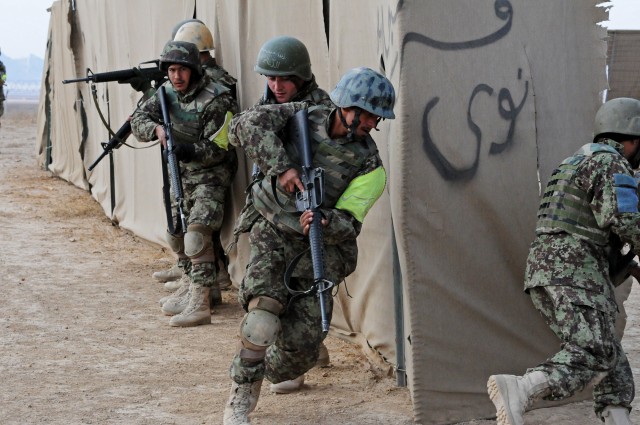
<point>491,92</point>
<point>491,95</point>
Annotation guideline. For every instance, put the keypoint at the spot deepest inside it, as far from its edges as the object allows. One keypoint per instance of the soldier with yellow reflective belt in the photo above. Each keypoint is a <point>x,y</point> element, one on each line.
<point>201,111</point>
<point>280,339</point>
<point>196,32</point>
<point>590,203</point>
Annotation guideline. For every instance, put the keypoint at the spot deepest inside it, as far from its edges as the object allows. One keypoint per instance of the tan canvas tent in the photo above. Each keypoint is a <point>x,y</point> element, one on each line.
<point>491,95</point>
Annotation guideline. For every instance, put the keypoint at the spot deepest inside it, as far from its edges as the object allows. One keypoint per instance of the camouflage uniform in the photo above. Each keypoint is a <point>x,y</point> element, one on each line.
<point>3,78</point>
<point>276,236</point>
<point>590,196</point>
<point>207,178</point>
<point>219,75</point>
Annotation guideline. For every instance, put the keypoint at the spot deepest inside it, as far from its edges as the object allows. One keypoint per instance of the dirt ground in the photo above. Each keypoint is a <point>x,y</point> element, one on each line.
<point>84,341</point>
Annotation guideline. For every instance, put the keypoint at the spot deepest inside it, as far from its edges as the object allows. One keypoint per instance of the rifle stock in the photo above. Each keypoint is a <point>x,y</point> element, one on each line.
<point>311,198</point>
<point>114,143</point>
<point>172,161</point>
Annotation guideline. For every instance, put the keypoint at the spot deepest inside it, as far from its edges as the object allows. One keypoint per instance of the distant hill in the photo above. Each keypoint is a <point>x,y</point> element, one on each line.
<point>23,76</point>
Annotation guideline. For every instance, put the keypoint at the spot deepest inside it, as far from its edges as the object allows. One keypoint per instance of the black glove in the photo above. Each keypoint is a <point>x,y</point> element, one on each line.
<point>185,152</point>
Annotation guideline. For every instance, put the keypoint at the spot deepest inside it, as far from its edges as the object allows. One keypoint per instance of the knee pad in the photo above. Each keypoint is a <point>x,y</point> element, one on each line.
<point>198,245</point>
<point>176,243</point>
<point>260,326</point>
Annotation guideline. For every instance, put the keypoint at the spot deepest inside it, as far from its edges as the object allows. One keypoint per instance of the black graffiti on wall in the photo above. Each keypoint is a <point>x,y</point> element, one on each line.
<point>506,106</point>
<point>386,21</point>
<point>502,9</point>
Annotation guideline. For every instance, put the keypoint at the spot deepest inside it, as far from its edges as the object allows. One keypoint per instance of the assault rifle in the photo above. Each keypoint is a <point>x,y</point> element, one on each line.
<point>139,77</point>
<point>311,199</point>
<point>174,168</point>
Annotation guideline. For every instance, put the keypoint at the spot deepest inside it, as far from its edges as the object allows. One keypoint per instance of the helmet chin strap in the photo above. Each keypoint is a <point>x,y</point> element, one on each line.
<point>635,160</point>
<point>351,129</point>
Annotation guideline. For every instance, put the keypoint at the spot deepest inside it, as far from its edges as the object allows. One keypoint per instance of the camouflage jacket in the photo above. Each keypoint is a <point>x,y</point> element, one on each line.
<point>219,75</point>
<point>258,131</point>
<point>207,153</point>
<point>565,259</point>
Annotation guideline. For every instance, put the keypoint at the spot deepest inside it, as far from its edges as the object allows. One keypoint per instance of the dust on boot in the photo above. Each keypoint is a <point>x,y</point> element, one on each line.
<point>513,395</point>
<point>242,401</point>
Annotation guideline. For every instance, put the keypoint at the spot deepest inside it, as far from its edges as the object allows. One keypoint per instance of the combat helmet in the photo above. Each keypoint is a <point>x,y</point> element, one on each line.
<point>181,52</point>
<point>366,89</point>
<point>175,29</point>
<point>619,116</point>
<point>284,56</point>
<point>195,32</point>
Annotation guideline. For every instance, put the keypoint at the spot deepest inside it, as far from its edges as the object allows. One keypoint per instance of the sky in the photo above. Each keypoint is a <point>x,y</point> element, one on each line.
<point>24,24</point>
<point>23,27</point>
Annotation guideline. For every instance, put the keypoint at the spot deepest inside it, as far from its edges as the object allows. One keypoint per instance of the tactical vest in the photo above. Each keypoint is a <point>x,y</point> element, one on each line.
<point>187,119</point>
<point>564,207</point>
<point>341,163</point>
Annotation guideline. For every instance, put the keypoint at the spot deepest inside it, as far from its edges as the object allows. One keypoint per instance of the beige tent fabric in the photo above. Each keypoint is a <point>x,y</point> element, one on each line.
<point>500,86</point>
<point>65,113</point>
<point>623,62</point>
<point>490,94</point>
<point>368,313</point>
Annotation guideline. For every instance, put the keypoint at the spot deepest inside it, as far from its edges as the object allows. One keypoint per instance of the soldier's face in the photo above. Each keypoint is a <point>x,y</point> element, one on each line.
<point>368,121</point>
<point>283,88</point>
<point>179,75</point>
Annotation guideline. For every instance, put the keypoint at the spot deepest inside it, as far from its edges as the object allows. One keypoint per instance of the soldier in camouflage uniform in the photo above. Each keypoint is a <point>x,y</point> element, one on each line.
<point>590,201</point>
<point>201,111</point>
<point>285,62</point>
<point>3,79</point>
<point>196,32</point>
<point>280,339</point>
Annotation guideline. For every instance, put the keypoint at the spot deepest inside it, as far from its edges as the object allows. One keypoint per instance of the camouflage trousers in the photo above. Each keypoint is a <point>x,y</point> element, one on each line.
<point>590,350</point>
<point>295,350</point>
<point>203,204</point>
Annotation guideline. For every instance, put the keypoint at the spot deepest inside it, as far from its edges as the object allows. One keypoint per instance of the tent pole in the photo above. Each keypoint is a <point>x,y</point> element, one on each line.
<point>398,301</point>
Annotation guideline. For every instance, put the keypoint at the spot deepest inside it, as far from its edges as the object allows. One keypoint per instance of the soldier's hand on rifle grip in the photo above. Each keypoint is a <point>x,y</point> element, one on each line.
<point>290,180</point>
<point>305,221</point>
<point>161,135</point>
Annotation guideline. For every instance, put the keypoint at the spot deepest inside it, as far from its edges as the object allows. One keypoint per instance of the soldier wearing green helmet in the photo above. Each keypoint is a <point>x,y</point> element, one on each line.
<point>588,210</point>
<point>280,338</point>
<point>285,62</point>
<point>200,111</point>
<point>196,32</point>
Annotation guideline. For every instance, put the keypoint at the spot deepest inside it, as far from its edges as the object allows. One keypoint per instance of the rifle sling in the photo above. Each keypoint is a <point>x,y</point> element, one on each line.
<point>106,125</point>
<point>299,294</point>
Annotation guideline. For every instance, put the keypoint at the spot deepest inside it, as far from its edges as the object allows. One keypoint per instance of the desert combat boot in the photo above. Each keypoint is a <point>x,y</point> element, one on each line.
<point>174,273</point>
<point>242,401</point>
<point>513,395</point>
<point>179,292</point>
<point>616,415</point>
<point>197,311</point>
